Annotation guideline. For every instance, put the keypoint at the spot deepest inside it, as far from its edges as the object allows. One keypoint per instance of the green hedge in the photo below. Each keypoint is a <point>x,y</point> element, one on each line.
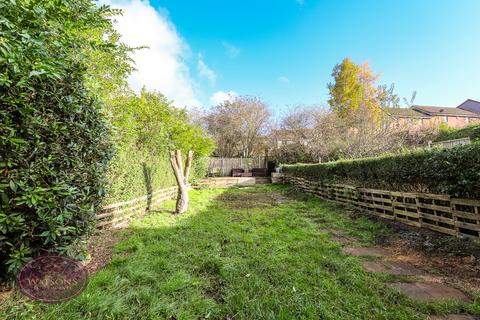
<point>147,128</point>
<point>453,171</point>
<point>55,142</point>
<point>471,131</point>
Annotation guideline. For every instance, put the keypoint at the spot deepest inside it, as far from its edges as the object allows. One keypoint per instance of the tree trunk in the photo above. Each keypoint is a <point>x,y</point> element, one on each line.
<point>182,178</point>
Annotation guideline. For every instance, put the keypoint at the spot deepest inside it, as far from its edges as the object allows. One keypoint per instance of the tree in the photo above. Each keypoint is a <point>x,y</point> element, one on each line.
<point>354,90</point>
<point>147,126</point>
<point>181,175</point>
<point>55,141</point>
<point>237,126</point>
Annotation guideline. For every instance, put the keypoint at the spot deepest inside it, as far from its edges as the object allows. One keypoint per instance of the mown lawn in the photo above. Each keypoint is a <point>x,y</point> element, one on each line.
<point>253,253</point>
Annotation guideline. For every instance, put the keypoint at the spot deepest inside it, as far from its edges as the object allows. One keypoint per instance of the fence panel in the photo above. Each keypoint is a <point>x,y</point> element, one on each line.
<point>452,143</point>
<point>223,166</point>
<point>442,213</point>
<point>119,214</point>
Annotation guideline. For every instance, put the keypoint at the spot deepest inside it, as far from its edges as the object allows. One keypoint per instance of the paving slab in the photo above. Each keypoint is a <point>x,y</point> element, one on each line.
<point>454,317</point>
<point>366,251</point>
<point>344,239</point>
<point>399,268</point>
<point>425,291</point>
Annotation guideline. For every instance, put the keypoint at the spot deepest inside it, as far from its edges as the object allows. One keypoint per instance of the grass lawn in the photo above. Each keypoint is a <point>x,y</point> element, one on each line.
<point>253,253</point>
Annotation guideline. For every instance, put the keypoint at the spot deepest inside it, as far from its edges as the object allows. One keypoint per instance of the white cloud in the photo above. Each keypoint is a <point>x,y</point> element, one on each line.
<point>204,71</point>
<point>162,66</point>
<point>222,96</point>
<point>283,79</point>
<point>232,51</point>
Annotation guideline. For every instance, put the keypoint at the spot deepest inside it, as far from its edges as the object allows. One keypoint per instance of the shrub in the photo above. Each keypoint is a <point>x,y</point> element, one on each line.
<point>147,128</point>
<point>54,140</point>
<point>453,171</point>
<point>447,133</point>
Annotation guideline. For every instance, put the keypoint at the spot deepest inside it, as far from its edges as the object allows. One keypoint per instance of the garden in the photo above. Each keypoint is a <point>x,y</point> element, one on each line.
<point>366,220</point>
<point>261,252</point>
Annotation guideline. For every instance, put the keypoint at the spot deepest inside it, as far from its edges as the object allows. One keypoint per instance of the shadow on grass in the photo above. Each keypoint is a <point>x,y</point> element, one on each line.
<point>218,262</point>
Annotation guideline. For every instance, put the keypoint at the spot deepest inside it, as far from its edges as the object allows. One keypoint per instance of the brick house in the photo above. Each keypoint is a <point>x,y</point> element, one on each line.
<point>457,117</point>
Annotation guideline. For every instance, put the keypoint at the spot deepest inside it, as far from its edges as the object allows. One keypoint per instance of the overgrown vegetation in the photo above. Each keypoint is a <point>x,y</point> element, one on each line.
<point>447,133</point>
<point>357,124</point>
<point>453,171</point>
<point>71,130</point>
<point>148,126</point>
<point>257,262</point>
<point>54,139</point>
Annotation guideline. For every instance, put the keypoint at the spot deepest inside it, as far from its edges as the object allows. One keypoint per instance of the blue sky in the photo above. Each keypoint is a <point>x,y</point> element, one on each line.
<point>284,50</point>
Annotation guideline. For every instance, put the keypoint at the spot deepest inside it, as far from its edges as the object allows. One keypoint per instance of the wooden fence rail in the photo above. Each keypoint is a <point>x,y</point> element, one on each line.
<point>442,213</point>
<point>119,214</point>
<point>223,166</point>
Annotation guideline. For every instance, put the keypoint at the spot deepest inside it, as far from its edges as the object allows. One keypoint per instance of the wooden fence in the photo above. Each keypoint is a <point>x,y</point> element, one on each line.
<point>222,167</point>
<point>442,213</point>
<point>452,143</point>
<point>119,214</point>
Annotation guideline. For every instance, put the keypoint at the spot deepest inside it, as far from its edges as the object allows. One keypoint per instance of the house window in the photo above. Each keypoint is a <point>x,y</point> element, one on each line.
<point>467,120</point>
<point>445,119</point>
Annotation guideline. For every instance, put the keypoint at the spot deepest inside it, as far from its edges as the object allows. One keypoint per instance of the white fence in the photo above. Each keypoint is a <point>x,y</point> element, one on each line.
<point>451,143</point>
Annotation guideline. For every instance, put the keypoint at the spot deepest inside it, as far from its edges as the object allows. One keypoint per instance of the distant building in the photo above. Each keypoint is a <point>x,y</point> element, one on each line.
<point>470,105</point>
<point>283,137</point>
<point>461,116</point>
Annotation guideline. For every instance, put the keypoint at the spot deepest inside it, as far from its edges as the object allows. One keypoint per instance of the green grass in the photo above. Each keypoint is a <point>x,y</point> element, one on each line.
<point>237,254</point>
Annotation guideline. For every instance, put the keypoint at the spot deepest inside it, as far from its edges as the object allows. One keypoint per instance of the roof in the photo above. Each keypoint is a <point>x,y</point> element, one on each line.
<point>406,113</point>
<point>445,111</point>
<point>470,105</point>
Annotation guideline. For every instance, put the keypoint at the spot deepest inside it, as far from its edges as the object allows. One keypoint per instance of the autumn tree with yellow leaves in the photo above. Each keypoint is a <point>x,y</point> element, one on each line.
<point>354,91</point>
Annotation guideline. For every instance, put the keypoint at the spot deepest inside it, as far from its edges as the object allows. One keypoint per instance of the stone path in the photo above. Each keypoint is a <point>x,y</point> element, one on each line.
<point>366,251</point>
<point>425,291</point>
<point>398,268</point>
<point>344,239</point>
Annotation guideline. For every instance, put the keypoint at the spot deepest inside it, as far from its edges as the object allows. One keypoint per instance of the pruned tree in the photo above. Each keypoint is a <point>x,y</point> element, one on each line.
<point>181,175</point>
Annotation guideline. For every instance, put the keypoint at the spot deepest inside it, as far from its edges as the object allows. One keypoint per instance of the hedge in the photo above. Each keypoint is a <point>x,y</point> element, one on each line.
<point>471,131</point>
<point>453,171</point>
<point>54,138</point>
<point>147,127</point>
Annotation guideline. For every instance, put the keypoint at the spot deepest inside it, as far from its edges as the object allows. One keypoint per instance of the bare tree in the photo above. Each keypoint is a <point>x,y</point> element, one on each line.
<point>332,137</point>
<point>238,125</point>
<point>181,175</point>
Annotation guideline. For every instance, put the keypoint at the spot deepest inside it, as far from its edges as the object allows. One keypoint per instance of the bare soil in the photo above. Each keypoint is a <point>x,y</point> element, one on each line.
<point>100,247</point>
<point>447,259</point>
<point>250,200</point>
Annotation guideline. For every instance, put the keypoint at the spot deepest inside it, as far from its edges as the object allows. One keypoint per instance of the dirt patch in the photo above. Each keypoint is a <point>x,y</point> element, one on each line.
<point>447,259</point>
<point>366,251</point>
<point>211,271</point>
<point>250,200</point>
<point>399,268</point>
<point>100,247</point>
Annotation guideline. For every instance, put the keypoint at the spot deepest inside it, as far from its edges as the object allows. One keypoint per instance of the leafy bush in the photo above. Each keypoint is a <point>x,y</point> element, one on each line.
<point>147,128</point>
<point>447,133</point>
<point>453,171</point>
<point>54,140</point>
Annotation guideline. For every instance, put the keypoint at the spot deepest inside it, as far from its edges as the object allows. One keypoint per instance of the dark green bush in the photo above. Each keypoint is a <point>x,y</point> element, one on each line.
<point>453,171</point>
<point>447,133</point>
<point>54,140</point>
